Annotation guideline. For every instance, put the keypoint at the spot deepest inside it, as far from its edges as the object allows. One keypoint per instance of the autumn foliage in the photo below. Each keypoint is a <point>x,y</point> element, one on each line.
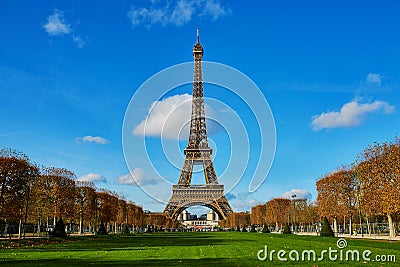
<point>278,211</point>
<point>236,220</point>
<point>17,177</point>
<point>258,214</point>
<point>369,188</point>
<point>43,196</point>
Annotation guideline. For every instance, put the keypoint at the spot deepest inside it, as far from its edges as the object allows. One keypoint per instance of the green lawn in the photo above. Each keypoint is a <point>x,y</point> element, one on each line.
<point>183,249</point>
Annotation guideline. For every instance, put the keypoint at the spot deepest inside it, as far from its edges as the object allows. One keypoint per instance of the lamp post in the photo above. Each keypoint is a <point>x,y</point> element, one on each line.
<point>294,212</point>
<point>359,210</point>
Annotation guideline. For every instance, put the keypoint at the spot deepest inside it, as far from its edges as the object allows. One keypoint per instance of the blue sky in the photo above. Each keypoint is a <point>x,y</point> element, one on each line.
<point>68,70</point>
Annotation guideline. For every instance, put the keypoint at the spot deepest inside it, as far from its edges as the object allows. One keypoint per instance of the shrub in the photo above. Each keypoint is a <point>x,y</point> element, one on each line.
<point>326,229</point>
<point>253,229</point>
<point>125,230</point>
<point>102,230</point>
<point>265,229</point>
<point>286,230</point>
<point>59,229</point>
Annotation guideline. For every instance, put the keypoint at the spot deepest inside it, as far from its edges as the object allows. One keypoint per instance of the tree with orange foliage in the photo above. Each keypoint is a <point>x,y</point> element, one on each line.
<point>86,204</point>
<point>17,175</point>
<point>336,195</point>
<point>236,219</point>
<point>62,192</point>
<point>122,215</point>
<point>378,174</point>
<point>135,215</point>
<point>278,211</point>
<point>258,214</point>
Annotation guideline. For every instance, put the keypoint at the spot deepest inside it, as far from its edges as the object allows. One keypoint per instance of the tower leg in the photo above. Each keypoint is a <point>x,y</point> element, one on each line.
<point>186,173</point>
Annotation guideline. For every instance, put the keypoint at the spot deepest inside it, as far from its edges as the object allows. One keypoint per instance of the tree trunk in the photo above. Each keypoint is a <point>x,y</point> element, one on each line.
<point>39,224</point>
<point>80,225</point>
<point>344,224</point>
<point>1,191</point>
<point>391,226</point>
<point>335,225</point>
<point>20,228</point>
<point>350,227</point>
<point>26,209</point>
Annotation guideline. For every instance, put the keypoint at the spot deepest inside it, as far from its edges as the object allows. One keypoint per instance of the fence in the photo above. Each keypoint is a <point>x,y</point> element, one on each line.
<point>371,229</point>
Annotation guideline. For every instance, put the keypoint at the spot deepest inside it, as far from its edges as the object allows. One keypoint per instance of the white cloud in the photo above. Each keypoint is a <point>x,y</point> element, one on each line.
<point>245,204</point>
<point>56,24</point>
<point>241,201</point>
<point>300,194</point>
<point>215,10</point>
<point>146,16</point>
<point>137,177</point>
<point>351,114</point>
<point>198,210</point>
<point>93,139</point>
<point>374,79</point>
<point>92,177</point>
<point>182,13</point>
<point>177,12</point>
<point>168,118</point>
<point>126,179</point>
<point>78,41</point>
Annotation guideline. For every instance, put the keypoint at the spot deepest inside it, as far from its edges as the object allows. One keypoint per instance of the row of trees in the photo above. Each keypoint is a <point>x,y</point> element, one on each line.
<point>30,194</point>
<point>236,220</point>
<point>276,213</point>
<point>159,221</point>
<point>368,189</point>
<point>279,212</point>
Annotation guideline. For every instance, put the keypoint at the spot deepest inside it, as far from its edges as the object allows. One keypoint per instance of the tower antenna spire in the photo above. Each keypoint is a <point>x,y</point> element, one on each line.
<point>198,35</point>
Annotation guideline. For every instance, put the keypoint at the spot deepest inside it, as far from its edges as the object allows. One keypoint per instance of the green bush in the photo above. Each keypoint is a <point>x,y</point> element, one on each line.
<point>286,230</point>
<point>326,229</point>
<point>125,230</point>
<point>59,229</point>
<point>102,230</point>
<point>265,229</point>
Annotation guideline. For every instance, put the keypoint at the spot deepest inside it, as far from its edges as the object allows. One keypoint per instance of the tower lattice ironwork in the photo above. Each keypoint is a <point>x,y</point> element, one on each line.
<point>211,194</point>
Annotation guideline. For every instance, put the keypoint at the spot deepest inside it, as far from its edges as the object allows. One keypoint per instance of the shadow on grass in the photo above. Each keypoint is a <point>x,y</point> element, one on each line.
<point>146,262</point>
<point>130,242</point>
<point>210,249</point>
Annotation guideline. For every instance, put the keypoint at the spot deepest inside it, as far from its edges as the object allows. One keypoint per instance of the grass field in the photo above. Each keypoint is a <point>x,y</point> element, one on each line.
<point>184,249</point>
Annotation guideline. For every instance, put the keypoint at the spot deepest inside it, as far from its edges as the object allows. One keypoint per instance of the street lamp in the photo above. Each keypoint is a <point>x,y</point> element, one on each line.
<point>359,210</point>
<point>294,212</point>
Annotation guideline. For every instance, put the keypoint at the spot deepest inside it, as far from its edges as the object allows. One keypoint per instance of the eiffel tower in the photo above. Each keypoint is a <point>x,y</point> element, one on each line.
<point>211,194</point>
